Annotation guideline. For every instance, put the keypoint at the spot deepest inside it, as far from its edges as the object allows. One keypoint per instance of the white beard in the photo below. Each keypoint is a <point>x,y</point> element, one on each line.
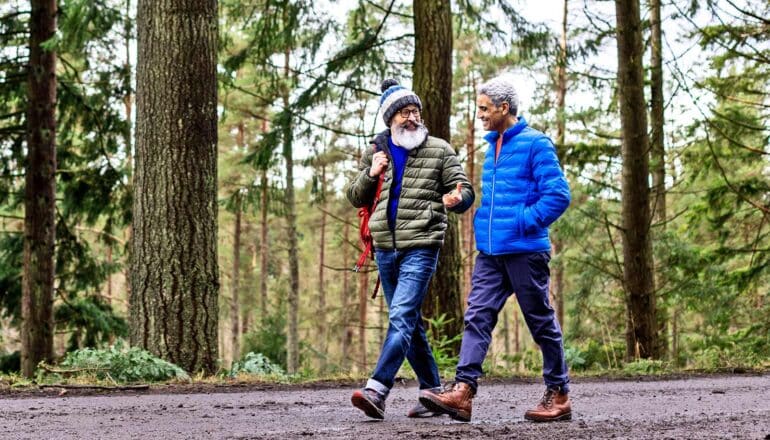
<point>408,139</point>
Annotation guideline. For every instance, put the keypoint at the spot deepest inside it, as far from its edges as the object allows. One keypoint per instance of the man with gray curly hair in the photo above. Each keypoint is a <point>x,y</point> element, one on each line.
<point>501,90</point>
<point>523,191</point>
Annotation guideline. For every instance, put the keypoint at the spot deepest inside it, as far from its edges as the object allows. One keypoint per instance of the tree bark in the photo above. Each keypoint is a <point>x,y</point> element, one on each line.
<point>37,327</point>
<point>641,335</point>
<point>128,102</point>
<point>292,337</point>
<point>433,84</point>
<point>469,240</point>
<point>516,331</point>
<point>252,284</point>
<point>506,338</point>
<point>174,273</point>
<point>363,294</point>
<point>235,311</point>
<point>321,316</point>
<point>347,332</point>
<point>264,247</point>
<point>658,151</point>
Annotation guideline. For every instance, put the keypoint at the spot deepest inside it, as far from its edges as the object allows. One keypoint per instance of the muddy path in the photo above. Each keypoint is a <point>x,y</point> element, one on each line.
<point>697,408</point>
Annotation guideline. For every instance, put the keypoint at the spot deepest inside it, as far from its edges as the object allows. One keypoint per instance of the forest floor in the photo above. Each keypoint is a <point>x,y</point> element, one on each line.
<point>704,407</point>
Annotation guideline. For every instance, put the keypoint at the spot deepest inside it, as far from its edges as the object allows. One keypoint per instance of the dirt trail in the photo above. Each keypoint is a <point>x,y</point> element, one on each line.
<point>698,408</point>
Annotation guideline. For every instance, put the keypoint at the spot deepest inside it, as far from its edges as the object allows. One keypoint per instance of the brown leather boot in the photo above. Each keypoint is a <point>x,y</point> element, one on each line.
<point>455,401</point>
<point>553,406</point>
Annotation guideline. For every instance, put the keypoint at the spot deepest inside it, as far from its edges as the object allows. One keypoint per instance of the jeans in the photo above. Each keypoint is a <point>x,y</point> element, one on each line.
<point>405,275</point>
<point>495,278</point>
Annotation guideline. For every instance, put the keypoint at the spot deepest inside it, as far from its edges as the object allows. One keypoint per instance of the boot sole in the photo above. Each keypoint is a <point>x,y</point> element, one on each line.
<point>362,403</point>
<point>425,415</point>
<point>559,418</point>
<point>438,407</point>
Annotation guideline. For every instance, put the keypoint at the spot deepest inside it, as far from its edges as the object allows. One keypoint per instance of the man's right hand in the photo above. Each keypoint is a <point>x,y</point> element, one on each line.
<point>379,164</point>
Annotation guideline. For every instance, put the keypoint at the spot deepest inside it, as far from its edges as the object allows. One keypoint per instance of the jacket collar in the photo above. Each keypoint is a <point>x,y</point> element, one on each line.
<point>491,137</point>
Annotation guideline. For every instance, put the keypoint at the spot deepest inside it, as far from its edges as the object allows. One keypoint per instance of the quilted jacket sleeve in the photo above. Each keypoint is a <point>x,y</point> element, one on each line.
<point>360,191</point>
<point>452,174</point>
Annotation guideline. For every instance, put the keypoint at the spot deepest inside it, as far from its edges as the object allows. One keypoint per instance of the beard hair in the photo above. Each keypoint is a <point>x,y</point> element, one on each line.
<point>409,139</point>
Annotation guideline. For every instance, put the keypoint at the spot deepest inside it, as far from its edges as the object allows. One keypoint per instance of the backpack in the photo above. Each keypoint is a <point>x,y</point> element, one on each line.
<point>367,242</point>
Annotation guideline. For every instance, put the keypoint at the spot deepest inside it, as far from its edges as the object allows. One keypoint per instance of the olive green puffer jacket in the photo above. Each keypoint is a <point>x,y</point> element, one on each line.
<point>432,170</point>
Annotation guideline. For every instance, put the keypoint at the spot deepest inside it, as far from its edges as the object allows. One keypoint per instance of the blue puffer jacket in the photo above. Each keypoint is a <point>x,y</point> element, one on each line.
<point>521,194</point>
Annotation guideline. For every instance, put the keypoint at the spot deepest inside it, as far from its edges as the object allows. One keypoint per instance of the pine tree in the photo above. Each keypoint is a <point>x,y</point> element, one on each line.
<point>40,192</point>
<point>174,271</point>
<point>641,333</point>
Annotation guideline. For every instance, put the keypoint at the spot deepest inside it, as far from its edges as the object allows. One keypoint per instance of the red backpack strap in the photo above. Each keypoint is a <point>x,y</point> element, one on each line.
<point>366,236</point>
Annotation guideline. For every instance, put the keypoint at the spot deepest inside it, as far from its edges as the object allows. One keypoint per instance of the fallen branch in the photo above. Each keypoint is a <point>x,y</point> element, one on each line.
<point>51,369</point>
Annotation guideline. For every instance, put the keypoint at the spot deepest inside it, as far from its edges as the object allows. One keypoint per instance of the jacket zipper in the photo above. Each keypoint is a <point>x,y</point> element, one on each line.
<point>390,188</point>
<point>492,206</point>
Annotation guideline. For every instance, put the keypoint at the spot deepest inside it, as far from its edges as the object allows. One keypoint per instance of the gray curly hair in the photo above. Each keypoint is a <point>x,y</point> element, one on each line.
<point>500,89</point>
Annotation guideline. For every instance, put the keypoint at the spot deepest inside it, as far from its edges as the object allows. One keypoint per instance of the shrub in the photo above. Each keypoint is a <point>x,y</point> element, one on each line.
<point>10,362</point>
<point>123,365</point>
<point>269,339</point>
<point>443,346</point>
<point>256,364</point>
<point>574,358</point>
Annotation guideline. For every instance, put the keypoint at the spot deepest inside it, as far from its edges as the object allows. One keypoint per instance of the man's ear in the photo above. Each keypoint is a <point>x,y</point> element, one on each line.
<point>505,108</point>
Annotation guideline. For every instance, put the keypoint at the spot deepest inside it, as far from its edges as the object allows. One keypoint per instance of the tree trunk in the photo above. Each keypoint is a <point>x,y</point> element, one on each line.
<point>469,240</point>
<point>658,155</point>
<point>321,316</point>
<point>516,331</point>
<point>108,296</point>
<point>37,285</point>
<point>433,84</point>
<point>641,336</point>
<point>557,280</point>
<point>174,272</point>
<point>657,151</point>
<point>292,336</point>
<point>245,311</point>
<point>507,338</point>
<point>382,318</point>
<point>128,101</point>
<point>235,312</point>
<point>363,294</point>
<point>347,332</point>
<point>264,248</point>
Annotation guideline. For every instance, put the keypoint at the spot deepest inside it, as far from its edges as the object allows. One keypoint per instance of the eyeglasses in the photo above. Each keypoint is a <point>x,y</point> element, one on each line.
<point>405,112</point>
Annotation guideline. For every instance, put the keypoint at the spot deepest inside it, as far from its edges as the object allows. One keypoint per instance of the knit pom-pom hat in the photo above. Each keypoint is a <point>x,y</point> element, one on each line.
<point>394,98</point>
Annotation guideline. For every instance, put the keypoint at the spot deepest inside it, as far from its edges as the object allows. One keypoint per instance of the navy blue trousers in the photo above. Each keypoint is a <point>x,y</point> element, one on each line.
<point>495,278</point>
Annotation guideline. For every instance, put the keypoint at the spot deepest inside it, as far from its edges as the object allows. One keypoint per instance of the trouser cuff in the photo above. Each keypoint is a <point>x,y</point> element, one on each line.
<point>377,386</point>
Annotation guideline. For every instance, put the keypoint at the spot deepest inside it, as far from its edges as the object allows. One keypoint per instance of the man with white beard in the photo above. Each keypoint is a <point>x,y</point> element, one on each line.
<point>422,180</point>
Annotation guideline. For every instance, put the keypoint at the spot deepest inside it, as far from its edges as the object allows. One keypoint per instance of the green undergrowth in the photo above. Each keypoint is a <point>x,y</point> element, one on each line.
<point>118,364</point>
<point>121,365</point>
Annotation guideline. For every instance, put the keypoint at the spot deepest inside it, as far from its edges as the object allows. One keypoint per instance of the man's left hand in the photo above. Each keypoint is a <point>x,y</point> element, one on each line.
<point>454,197</point>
